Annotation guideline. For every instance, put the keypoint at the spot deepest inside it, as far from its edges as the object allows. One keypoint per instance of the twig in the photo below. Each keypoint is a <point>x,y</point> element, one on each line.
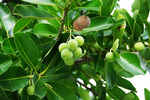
<point>85,86</point>
<point>81,60</point>
<point>63,20</point>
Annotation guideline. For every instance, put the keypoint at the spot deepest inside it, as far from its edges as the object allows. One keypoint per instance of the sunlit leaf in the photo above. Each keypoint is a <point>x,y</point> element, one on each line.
<point>5,17</point>
<point>84,94</point>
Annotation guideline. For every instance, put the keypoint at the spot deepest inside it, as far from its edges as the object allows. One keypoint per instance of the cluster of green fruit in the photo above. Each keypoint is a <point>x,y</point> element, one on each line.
<point>71,50</point>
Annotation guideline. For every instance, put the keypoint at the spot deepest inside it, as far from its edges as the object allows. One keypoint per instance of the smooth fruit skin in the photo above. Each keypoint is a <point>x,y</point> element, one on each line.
<point>77,53</point>
<point>72,44</point>
<point>62,46</point>
<point>66,54</point>
<point>110,56</point>
<point>69,62</point>
<point>138,46</point>
<point>128,96</point>
<point>30,90</point>
<point>117,67</point>
<point>83,21</point>
<point>80,40</point>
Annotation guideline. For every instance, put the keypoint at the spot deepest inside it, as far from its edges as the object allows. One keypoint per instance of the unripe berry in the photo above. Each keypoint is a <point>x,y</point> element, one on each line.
<point>62,46</point>
<point>80,40</point>
<point>138,46</point>
<point>77,53</point>
<point>66,54</point>
<point>30,90</point>
<point>110,56</point>
<point>69,62</point>
<point>72,44</point>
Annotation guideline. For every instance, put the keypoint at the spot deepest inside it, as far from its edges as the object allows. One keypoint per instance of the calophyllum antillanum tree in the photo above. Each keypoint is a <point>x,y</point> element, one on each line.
<point>47,45</point>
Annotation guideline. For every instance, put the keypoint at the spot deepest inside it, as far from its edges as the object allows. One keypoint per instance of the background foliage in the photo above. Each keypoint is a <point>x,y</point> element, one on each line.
<point>31,31</point>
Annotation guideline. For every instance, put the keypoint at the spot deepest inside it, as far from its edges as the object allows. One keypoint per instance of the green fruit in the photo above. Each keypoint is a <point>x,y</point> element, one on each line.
<point>62,46</point>
<point>69,62</point>
<point>117,67</point>
<point>110,56</point>
<point>128,96</point>
<point>20,92</point>
<point>80,40</point>
<point>66,54</point>
<point>30,90</point>
<point>139,46</point>
<point>77,53</point>
<point>72,44</point>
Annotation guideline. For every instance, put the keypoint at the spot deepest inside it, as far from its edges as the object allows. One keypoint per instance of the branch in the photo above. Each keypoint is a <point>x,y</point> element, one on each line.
<point>81,60</point>
<point>85,86</point>
<point>63,20</point>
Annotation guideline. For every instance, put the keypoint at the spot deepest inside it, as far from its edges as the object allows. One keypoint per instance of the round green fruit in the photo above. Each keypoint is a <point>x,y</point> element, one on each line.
<point>20,92</point>
<point>117,67</point>
<point>115,44</point>
<point>110,56</point>
<point>62,46</point>
<point>128,96</point>
<point>80,40</point>
<point>139,46</point>
<point>69,62</point>
<point>72,44</point>
<point>66,54</point>
<point>30,90</point>
<point>77,53</point>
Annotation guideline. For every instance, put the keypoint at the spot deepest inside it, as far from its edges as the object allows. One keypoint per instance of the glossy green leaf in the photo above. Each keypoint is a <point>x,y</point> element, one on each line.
<point>126,74</point>
<point>99,38</point>
<point>45,30</point>
<point>58,91</point>
<point>116,24</point>
<point>71,84</point>
<point>40,89</point>
<point>29,47</point>
<point>116,93</point>
<point>53,59</point>
<point>5,62</point>
<point>15,60</point>
<point>90,5</point>
<point>131,63</point>
<point>110,74</point>
<point>55,74</point>
<point>9,46</point>
<point>5,17</point>
<point>107,7</point>
<point>98,63</point>
<point>89,71</point>
<point>125,84</point>
<point>29,11</point>
<point>137,32</point>
<point>14,78</point>
<point>3,95</point>
<point>3,35</point>
<point>144,59</point>
<point>84,94</point>
<point>142,7</point>
<point>22,23</point>
<point>104,23</point>
<point>43,2</point>
<point>147,93</point>
<point>147,27</point>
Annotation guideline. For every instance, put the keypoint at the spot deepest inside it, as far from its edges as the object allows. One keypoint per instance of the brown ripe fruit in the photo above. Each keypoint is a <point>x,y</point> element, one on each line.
<point>76,26</point>
<point>83,21</point>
